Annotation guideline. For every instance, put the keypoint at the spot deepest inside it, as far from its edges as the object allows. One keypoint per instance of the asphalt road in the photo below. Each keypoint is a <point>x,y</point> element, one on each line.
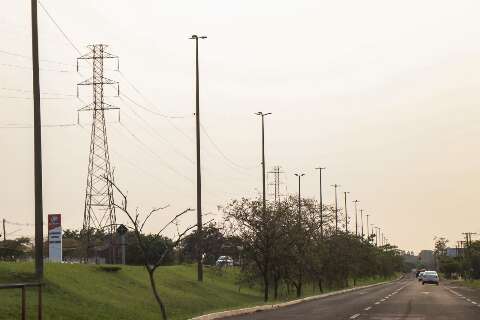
<point>406,299</point>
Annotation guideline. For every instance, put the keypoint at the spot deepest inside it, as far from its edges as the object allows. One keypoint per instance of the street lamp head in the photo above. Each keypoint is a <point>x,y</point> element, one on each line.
<point>194,36</point>
<point>299,174</point>
<point>320,168</point>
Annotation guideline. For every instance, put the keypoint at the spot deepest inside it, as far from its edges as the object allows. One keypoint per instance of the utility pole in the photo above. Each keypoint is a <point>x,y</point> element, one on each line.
<point>321,201</point>
<point>377,235</point>
<point>299,175</point>
<point>356,217</point>
<point>263,159</point>
<point>37,146</point>
<point>361,216</point>
<point>199,174</point>
<point>346,212</point>
<point>368,231</point>
<point>4,231</point>
<point>468,237</point>
<point>336,207</point>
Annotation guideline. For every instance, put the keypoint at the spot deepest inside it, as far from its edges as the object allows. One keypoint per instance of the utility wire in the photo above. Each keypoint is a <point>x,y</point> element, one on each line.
<point>26,126</point>
<point>29,58</point>
<point>58,27</point>
<point>155,154</point>
<point>223,154</point>
<point>155,112</point>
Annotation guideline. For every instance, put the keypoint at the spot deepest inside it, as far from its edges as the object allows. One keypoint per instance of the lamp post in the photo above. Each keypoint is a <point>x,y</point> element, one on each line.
<point>336,207</point>
<point>356,217</point>
<point>346,211</point>
<point>299,175</point>
<point>199,174</point>
<point>321,202</point>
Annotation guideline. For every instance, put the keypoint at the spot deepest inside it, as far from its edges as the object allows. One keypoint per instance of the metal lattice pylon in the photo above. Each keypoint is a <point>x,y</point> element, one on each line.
<point>99,212</point>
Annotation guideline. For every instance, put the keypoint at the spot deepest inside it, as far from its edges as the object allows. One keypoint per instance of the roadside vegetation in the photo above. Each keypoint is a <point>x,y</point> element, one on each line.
<point>465,266</point>
<point>288,251</point>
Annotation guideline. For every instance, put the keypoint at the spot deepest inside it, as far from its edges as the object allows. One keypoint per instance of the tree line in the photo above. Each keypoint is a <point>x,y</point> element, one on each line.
<point>281,249</point>
<point>465,263</point>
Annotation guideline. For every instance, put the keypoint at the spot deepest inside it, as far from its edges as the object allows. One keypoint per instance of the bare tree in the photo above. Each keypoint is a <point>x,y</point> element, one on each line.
<point>151,262</point>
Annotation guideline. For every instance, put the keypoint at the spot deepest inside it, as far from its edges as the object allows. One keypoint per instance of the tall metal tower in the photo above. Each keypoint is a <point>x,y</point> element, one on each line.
<point>276,183</point>
<point>99,213</point>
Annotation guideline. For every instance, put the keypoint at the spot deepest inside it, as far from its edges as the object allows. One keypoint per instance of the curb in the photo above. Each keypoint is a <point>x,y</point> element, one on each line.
<point>244,311</point>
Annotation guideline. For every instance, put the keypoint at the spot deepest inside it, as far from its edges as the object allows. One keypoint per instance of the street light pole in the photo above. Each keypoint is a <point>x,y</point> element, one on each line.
<point>336,207</point>
<point>368,231</point>
<point>321,202</point>
<point>377,234</point>
<point>199,174</point>
<point>264,201</point>
<point>361,215</point>
<point>356,217</point>
<point>346,212</point>
<point>37,146</point>
<point>299,175</point>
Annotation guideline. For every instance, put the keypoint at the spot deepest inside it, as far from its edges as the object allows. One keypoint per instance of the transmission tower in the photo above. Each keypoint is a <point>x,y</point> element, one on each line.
<point>99,212</point>
<point>275,182</point>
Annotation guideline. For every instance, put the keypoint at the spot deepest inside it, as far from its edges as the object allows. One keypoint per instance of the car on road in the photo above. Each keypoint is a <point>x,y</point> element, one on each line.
<point>430,277</point>
<point>224,261</point>
<point>420,275</point>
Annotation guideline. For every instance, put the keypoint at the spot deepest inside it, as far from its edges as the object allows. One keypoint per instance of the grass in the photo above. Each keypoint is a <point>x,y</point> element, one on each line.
<point>468,283</point>
<point>76,291</point>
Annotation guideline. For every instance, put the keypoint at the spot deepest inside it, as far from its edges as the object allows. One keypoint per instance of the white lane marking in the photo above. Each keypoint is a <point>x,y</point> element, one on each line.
<point>382,300</point>
<point>355,315</point>
<point>367,308</point>
<point>377,302</point>
<point>473,302</point>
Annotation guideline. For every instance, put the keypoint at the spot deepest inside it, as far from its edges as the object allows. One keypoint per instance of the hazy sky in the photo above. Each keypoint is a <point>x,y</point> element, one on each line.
<point>382,93</point>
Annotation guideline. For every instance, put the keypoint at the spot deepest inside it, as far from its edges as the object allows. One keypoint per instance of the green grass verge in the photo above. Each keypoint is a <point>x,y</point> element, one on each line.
<point>76,291</point>
<point>467,283</point>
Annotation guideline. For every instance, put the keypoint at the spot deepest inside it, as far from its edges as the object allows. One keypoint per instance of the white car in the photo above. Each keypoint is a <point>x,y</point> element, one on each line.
<point>430,277</point>
<point>224,261</point>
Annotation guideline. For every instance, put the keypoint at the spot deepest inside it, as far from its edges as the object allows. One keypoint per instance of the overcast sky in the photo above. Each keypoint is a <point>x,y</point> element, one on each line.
<point>382,93</point>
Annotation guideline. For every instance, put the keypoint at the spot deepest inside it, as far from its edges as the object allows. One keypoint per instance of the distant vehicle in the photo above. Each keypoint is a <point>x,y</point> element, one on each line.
<point>430,277</point>
<point>224,261</point>
<point>418,272</point>
<point>420,275</point>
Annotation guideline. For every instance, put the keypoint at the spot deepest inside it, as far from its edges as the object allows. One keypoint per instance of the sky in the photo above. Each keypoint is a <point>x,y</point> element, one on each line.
<point>381,93</point>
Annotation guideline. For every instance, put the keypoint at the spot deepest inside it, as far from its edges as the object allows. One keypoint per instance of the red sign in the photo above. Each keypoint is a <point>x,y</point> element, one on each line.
<point>54,221</point>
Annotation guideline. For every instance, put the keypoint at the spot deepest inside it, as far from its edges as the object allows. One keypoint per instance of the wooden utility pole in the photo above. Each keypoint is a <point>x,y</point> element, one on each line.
<point>4,231</point>
<point>37,146</point>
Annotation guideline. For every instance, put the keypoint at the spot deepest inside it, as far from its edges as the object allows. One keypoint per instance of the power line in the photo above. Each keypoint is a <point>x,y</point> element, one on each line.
<point>9,65</point>
<point>58,27</point>
<point>146,108</point>
<point>27,126</point>
<point>29,58</point>
<point>155,154</point>
<point>42,92</point>
<point>222,153</point>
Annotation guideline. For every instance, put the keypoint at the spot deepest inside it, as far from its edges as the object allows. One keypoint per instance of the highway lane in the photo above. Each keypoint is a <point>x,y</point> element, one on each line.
<point>406,299</point>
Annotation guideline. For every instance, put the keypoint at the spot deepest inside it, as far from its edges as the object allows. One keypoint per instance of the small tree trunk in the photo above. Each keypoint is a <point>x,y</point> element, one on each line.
<point>266,285</point>
<point>299,290</point>
<point>157,296</point>
<point>275,287</point>
<point>320,286</point>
